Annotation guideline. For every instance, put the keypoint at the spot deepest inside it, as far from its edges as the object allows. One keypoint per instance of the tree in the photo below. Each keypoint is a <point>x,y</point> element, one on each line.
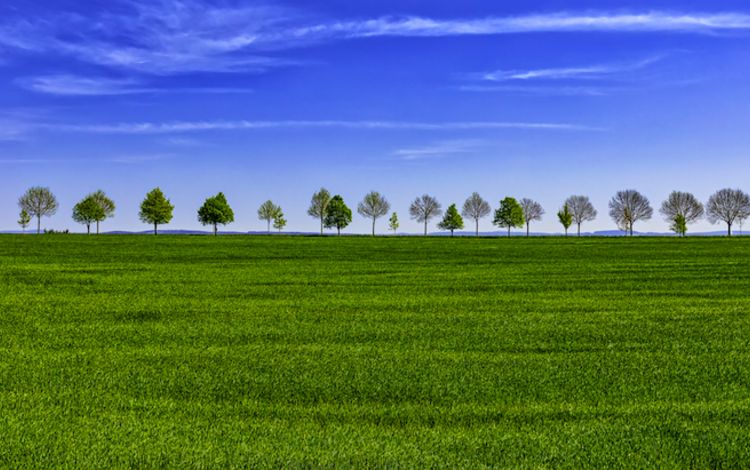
<point>87,211</point>
<point>279,222</point>
<point>24,219</point>
<point>106,205</point>
<point>681,209</point>
<point>452,220</point>
<point>156,209</point>
<point>728,205</point>
<point>679,225</point>
<point>318,205</point>
<point>425,208</point>
<point>38,202</point>
<point>476,208</point>
<point>628,207</point>
<point>581,210</point>
<point>509,214</point>
<point>216,211</point>
<point>393,223</point>
<point>374,206</point>
<point>267,212</point>
<point>338,215</point>
<point>565,216</point>
<point>532,211</point>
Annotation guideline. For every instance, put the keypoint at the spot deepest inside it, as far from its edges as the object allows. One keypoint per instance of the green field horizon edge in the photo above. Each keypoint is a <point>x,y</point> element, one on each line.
<point>309,351</point>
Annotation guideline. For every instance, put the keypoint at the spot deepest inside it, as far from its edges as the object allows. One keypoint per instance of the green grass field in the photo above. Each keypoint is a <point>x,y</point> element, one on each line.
<point>350,352</point>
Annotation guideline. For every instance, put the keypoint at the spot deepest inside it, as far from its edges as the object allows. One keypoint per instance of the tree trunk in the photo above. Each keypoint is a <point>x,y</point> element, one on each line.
<point>579,230</point>
<point>729,229</point>
<point>97,227</point>
<point>269,225</point>
<point>451,233</point>
<point>338,231</point>
<point>156,232</point>
<point>373,226</point>
<point>321,225</point>
<point>216,230</point>
<point>88,229</point>
<point>508,231</point>
<point>566,231</point>
<point>38,224</point>
<point>425,228</point>
<point>477,222</point>
<point>527,229</point>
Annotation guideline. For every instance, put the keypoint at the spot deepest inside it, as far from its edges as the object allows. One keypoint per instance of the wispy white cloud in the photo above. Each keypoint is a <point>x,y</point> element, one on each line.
<point>439,149</point>
<point>588,72</point>
<point>203,126</point>
<point>166,37</point>
<point>542,90</point>
<point>74,85</point>
<point>556,22</point>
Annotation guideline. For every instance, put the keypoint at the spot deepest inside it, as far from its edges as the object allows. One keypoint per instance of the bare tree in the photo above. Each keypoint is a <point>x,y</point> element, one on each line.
<point>425,208</point>
<point>318,206</point>
<point>728,205</point>
<point>374,206</point>
<point>476,208</point>
<point>268,211</point>
<point>681,207</point>
<point>628,207</point>
<point>532,211</point>
<point>38,202</point>
<point>581,210</point>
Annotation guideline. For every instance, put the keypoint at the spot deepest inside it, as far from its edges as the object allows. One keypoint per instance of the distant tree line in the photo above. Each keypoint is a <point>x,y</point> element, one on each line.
<point>626,208</point>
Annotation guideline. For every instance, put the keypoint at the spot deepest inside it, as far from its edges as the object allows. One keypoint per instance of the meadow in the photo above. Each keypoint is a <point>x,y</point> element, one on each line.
<point>238,351</point>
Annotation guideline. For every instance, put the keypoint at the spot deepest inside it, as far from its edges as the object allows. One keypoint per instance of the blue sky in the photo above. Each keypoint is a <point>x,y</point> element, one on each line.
<point>275,99</point>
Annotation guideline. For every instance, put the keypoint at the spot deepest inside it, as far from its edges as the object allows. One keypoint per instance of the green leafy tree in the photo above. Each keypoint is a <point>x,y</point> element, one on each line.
<point>279,222</point>
<point>509,215</point>
<point>156,209</point>
<point>267,212</point>
<point>338,215</point>
<point>373,206</point>
<point>87,211</point>
<point>106,205</point>
<point>679,225</point>
<point>318,205</point>
<point>24,219</point>
<point>452,220</point>
<point>565,216</point>
<point>38,202</point>
<point>393,223</point>
<point>216,211</point>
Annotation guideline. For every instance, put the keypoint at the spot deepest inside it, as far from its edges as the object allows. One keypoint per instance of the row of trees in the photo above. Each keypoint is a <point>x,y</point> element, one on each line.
<point>626,208</point>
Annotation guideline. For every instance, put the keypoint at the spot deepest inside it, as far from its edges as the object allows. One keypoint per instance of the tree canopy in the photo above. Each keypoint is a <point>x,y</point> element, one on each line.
<point>452,220</point>
<point>156,209</point>
<point>216,211</point>
<point>565,216</point>
<point>509,215</point>
<point>88,211</point>
<point>338,215</point>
